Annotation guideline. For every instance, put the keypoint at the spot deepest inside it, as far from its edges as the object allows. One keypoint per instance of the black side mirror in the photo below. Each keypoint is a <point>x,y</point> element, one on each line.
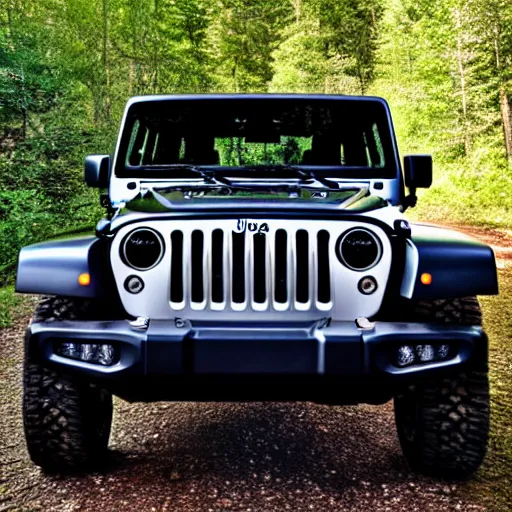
<point>97,171</point>
<point>418,174</point>
<point>418,171</point>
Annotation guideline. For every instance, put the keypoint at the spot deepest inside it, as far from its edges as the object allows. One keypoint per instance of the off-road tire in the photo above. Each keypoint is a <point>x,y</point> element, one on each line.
<point>66,420</point>
<point>443,422</point>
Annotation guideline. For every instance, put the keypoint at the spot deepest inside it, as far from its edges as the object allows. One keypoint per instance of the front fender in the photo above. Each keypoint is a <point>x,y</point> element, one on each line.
<point>460,266</point>
<point>52,268</point>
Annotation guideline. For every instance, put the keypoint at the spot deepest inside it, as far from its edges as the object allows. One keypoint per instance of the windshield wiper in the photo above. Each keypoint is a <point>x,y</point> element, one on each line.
<point>208,176</point>
<point>300,179</point>
<point>310,176</point>
<point>211,180</point>
<point>306,176</point>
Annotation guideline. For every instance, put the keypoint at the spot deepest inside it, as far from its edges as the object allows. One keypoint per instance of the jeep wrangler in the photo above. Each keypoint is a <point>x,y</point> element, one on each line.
<point>254,248</point>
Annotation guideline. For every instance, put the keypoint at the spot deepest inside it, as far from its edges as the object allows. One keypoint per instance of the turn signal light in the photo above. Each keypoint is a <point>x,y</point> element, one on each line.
<point>84,279</point>
<point>426,279</point>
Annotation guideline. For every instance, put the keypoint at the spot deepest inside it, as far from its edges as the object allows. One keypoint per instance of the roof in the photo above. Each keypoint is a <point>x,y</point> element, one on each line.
<point>259,96</point>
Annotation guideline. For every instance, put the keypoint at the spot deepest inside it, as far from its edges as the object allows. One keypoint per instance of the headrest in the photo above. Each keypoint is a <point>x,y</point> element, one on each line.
<point>199,149</point>
<point>325,150</point>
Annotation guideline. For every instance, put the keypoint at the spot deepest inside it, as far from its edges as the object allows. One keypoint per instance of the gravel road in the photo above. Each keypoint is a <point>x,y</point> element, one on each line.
<point>225,457</point>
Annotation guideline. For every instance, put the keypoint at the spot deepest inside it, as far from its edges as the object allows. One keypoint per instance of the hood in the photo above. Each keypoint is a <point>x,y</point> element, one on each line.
<point>355,199</point>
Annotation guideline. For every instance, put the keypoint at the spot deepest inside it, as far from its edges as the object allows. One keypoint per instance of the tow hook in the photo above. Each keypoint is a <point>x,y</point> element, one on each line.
<point>365,324</point>
<point>141,323</point>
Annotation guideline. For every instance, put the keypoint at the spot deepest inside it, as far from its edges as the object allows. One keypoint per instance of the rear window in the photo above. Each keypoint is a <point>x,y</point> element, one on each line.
<point>350,136</point>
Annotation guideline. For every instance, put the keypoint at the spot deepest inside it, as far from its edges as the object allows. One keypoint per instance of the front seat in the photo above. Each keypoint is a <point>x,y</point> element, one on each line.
<point>325,150</point>
<point>199,150</point>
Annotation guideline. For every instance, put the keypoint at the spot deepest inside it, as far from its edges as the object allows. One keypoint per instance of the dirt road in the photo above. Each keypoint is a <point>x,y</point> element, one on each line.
<point>232,457</point>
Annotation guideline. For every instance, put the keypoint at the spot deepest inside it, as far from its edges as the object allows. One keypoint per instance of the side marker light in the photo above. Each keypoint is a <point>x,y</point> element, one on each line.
<point>426,279</point>
<point>84,279</point>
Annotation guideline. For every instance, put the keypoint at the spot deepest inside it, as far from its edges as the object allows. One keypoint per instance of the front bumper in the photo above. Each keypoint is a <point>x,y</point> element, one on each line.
<point>272,357</point>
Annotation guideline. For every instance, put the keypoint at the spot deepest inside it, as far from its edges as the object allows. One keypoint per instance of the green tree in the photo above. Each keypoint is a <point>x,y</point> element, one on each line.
<point>330,48</point>
<point>243,38</point>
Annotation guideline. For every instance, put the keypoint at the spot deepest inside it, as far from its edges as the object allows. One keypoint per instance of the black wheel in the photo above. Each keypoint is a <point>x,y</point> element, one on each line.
<point>443,422</point>
<point>66,420</point>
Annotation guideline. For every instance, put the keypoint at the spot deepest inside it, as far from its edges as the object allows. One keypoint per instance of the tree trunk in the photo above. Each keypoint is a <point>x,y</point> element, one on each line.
<point>296,8</point>
<point>106,61</point>
<point>506,121</point>
<point>361,78</point>
<point>24,108</point>
<point>462,76</point>
<point>131,78</point>
<point>9,21</point>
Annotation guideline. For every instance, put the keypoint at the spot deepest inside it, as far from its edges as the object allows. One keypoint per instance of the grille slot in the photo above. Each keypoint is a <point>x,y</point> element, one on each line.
<point>222,269</point>
<point>281,270</point>
<point>302,276</point>
<point>238,268</point>
<point>259,266</point>
<point>217,266</point>
<point>324,271</point>
<point>177,266</point>
<point>197,290</point>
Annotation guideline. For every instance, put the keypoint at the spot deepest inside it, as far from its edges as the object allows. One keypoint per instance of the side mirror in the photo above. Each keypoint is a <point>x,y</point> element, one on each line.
<point>97,171</point>
<point>418,171</point>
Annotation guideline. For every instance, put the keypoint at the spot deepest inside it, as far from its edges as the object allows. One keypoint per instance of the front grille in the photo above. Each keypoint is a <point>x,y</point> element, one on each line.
<point>219,269</point>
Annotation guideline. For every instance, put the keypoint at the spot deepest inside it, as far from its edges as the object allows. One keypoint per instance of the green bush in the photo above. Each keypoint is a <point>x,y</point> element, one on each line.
<point>470,191</point>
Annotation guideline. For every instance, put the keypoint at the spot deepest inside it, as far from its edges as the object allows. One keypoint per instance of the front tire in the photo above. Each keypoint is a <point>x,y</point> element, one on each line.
<point>66,420</point>
<point>443,422</point>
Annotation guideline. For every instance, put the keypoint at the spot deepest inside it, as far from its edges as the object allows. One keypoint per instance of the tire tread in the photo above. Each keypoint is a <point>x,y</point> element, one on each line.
<point>66,420</point>
<point>449,415</point>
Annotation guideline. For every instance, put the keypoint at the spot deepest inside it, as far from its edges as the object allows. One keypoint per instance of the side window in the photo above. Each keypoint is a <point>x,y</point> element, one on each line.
<point>367,143</point>
<point>135,144</point>
<point>143,145</point>
<point>149,147</point>
<point>375,151</point>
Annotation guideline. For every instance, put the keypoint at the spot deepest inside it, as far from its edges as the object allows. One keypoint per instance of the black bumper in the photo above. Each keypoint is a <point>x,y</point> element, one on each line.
<point>275,361</point>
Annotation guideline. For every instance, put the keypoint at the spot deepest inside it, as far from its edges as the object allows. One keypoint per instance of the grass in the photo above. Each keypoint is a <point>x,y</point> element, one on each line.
<point>477,193</point>
<point>438,209</point>
<point>12,305</point>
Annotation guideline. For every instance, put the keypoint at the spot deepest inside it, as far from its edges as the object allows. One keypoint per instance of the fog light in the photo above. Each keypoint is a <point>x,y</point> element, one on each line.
<point>405,356</point>
<point>70,350</point>
<point>441,352</point>
<point>134,284</point>
<point>367,285</point>
<point>106,355</point>
<point>94,353</point>
<point>88,352</point>
<point>425,353</point>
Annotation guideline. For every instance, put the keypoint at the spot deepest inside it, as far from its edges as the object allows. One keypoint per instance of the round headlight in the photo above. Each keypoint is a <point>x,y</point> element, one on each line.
<point>359,249</point>
<point>142,249</point>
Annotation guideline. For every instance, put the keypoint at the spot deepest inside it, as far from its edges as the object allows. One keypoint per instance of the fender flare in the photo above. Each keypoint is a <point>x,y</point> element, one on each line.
<point>460,266</point>
<point>52,268</point>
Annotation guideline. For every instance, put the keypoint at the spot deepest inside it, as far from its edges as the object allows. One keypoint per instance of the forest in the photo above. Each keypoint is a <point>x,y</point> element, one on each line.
<point>67,68</point>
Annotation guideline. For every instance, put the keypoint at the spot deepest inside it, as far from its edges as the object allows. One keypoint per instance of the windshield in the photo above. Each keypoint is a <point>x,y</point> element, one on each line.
<point>349,136</point>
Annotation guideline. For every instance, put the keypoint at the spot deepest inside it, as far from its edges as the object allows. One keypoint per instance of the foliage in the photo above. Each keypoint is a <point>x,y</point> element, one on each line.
<point>67,68</point>
<point>445,69</point>
<point>330,48</point>
<point>11,306</point>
